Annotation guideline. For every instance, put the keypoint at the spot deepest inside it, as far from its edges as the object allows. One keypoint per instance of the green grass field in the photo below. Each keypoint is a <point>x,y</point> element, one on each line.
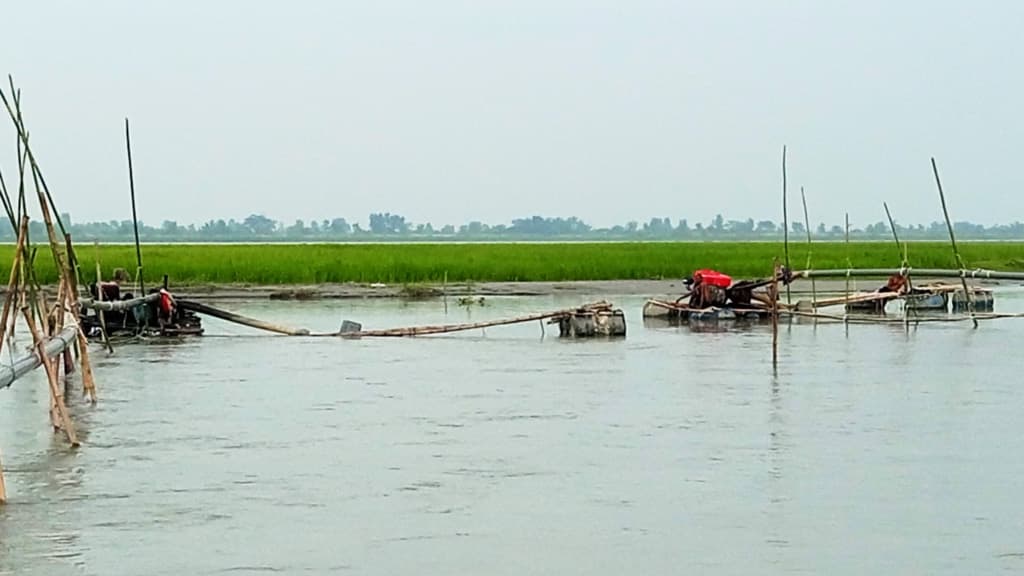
<point>420,263</point>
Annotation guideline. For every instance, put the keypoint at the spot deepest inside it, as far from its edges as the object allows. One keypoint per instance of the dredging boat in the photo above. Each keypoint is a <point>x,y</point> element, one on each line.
<point>118,314</point>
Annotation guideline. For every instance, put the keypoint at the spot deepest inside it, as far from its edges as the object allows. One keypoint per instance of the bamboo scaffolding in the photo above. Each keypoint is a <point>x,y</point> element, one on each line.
<point>51,376</point>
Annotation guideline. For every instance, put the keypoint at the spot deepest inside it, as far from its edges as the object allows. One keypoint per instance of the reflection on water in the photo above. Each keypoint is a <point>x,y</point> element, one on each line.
<point>873,449</point>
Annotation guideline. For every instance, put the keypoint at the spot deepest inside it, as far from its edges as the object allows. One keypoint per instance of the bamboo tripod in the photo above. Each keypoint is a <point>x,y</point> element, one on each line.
<point>54,326</point>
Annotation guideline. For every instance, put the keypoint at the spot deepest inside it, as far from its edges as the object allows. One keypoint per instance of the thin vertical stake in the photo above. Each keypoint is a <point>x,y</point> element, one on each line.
<point>785,223</point>
<point>135,217</point>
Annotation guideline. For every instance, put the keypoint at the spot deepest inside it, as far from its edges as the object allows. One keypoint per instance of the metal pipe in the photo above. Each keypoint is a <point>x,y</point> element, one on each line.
<point>116,305</point>
<point>53,347</point>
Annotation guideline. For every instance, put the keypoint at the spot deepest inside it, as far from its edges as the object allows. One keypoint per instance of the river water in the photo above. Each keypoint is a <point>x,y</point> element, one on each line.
<point>873,450</point>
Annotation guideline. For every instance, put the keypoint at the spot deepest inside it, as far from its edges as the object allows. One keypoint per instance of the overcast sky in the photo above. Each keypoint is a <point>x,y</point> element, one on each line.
<point>455,111</point>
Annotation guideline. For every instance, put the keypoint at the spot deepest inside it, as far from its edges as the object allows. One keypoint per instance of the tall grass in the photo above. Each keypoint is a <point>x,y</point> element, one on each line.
<point>412,263</point>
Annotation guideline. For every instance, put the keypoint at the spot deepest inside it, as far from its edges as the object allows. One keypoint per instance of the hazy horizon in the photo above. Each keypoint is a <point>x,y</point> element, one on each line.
<point>451,112</point>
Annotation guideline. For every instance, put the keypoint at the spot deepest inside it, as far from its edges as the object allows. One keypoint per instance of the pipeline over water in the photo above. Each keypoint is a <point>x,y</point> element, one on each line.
<point>53,347</point>
<point>930,272</point>
<point>116,305</point>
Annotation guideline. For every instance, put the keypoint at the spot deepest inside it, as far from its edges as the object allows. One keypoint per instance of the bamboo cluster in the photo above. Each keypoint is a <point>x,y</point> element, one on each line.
<point>52,323</point>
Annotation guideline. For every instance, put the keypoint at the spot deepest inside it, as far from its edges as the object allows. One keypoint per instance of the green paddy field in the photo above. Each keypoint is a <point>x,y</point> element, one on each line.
<point>274,264</point>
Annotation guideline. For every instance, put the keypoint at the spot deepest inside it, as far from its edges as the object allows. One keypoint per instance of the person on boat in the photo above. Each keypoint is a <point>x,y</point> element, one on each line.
<point>165,308</point>
<point>896,283</point>
<point>111,290</point>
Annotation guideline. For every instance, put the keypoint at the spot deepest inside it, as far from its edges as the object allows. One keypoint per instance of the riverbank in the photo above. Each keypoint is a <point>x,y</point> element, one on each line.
<point>299,266</point>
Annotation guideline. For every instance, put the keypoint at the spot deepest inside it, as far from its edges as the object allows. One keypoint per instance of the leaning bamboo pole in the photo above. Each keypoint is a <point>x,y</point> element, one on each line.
<point>952,239</point>
<point>810,245</point>
<point>239,319</point>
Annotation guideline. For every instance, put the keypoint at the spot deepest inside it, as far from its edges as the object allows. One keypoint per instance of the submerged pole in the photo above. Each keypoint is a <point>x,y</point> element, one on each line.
<point>3,487</point>
<point>774,316</point>
<point>952,239</point>
<point>135,218</point>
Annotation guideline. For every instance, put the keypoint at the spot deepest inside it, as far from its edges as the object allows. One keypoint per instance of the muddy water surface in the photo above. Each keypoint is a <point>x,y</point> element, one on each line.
<point>874,450</point>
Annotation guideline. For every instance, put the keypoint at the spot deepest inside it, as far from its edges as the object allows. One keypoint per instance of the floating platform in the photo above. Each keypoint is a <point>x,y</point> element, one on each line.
<point>981,298</point>
<point>928,298</point>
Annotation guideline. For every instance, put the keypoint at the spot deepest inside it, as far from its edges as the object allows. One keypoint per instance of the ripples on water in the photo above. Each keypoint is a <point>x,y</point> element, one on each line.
<point>504,452</point>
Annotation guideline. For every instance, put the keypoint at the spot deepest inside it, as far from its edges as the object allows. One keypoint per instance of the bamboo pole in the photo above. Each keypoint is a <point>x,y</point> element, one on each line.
<point>855,298</point>
<point>88,382</point>
<point>785,224</point>
<point>99,298</point>
<point>807,226</point>
<point>61,408</point>
<point>904,264</point>
<point>849,263</point>
<point>3,486</point>
<point>239,319</point>
<point>952,240</point>
<point>135,218</point>
<point>12,283</point>
<point>775,315</point>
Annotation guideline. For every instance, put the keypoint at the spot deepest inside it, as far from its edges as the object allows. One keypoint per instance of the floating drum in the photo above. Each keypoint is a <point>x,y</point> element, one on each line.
<point>982,299</point>
<point>927,301</point>
<point>590,324</point>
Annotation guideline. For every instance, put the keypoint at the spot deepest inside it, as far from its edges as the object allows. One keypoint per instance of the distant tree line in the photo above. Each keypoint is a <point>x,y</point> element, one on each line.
<point>385,226</point>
